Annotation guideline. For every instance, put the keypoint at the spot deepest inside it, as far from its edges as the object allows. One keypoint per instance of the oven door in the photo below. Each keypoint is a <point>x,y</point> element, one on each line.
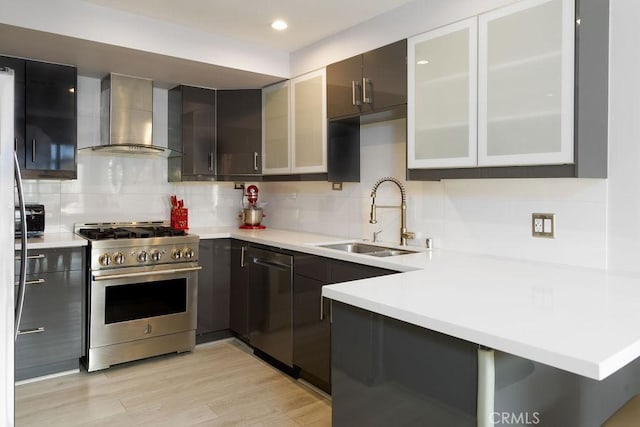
<point>129,304</point>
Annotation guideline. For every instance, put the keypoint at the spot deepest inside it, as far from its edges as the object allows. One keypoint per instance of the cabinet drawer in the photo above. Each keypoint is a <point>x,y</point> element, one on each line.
<point>53,314</point>
<point>50,261</point>
<point>311,266</point>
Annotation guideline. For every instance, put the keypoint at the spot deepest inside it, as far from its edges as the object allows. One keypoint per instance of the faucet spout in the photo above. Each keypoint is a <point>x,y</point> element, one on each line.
<point>372,214</point>
<point>404,234</point>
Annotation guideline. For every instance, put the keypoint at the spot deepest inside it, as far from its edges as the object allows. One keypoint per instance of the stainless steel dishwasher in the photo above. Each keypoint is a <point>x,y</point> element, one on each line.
<point>271,303</point>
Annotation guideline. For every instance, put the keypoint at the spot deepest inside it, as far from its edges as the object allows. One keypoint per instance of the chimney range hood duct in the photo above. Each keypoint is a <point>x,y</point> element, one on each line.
<point>126,112</point>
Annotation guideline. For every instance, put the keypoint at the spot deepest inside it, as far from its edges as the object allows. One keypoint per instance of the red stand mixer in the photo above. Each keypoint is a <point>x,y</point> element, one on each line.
<point>251,217</point>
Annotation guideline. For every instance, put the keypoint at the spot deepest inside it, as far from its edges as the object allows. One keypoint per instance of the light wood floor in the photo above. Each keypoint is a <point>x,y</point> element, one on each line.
<point>218,384</point>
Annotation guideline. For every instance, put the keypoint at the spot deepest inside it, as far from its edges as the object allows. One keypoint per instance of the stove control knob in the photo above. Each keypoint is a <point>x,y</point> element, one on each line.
<point>176,254</point>
<point>188,253</point>
<point>118,258</point>
<point>143,256</point>
<point>105,260</point>
<point>155,256</point>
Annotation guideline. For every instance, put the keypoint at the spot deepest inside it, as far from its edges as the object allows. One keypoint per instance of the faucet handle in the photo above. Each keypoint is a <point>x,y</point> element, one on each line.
<point>409,235</point>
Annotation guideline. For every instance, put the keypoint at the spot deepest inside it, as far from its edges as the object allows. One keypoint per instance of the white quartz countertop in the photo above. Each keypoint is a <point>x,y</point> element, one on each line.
<point>585,321</point>
<point>54,240</point>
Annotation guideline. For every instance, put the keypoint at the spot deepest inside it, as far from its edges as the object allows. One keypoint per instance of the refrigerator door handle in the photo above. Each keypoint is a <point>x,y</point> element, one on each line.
<point>23,247</point>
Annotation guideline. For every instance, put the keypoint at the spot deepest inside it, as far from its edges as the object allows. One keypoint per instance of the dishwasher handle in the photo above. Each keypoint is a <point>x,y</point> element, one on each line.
<point>271,264</point>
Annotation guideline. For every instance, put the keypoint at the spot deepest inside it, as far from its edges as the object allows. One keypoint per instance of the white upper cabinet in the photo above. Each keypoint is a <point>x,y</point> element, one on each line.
<point>442,97</point>
<point>309,123</point>
<point>494,90</point>
<point>294,126</point>
<point>275,129</point>
<point>526,75</point>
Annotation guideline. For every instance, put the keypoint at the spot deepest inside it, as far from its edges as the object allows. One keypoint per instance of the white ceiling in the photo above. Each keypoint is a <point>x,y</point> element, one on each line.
<point>249,20</point>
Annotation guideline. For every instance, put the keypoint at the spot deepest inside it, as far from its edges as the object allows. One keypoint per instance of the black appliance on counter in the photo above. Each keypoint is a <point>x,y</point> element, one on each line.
<point>34,219</point>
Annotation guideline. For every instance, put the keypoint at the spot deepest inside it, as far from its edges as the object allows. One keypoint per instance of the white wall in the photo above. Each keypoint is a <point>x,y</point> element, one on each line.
<point>623,199</point>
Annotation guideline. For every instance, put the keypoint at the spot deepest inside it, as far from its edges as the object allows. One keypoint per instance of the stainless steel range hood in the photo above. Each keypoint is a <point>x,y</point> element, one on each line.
<point>126,113</point>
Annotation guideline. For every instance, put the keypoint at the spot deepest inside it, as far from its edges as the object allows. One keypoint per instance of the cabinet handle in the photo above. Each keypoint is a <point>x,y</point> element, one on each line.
<point>33,150</point>
<point>365,98</point>
<point>255,160</point>
<point>321,308</point>
<point>355,100</point>
<point>15,144</point>
<point>211,162</point>
<point>39,256</point>
<point>31,331</point>
<point>242,251</point>
<point>331,311</point>
<point>33,282</point>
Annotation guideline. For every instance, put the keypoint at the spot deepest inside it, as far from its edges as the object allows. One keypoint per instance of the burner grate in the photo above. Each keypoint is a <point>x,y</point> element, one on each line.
<point>102,233</point>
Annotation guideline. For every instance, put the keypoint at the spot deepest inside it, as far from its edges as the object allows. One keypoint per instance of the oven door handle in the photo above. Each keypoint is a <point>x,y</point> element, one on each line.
<point>145,273</point>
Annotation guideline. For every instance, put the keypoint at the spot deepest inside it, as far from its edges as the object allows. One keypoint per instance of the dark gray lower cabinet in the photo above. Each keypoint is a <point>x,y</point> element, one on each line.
<point>214,281</point>
<point>239,296</point>
<point>311,312</point>
<point>311,329</point>
<point>51,337</point>
<point>387,372</point>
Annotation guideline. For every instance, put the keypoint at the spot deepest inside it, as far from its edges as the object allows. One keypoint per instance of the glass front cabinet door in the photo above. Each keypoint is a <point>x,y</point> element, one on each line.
<point>526,74</point>
<point>494,90</point>
<point>442,98</point>
<point>309,123</point>
<point>275,129</point>
<point>294,126</point>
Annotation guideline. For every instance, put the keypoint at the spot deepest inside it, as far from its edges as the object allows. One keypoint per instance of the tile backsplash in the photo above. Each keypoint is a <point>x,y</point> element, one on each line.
<point>479,216</point>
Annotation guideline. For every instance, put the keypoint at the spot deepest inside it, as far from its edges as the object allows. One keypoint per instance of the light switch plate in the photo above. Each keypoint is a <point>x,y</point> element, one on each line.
<point>543,225</point>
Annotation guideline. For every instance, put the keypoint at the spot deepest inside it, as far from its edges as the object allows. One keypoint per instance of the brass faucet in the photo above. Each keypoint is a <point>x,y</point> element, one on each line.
<point>404,234</point>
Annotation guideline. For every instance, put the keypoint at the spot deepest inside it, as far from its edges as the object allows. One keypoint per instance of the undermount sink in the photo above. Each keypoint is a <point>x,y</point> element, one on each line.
<point>365,249</point>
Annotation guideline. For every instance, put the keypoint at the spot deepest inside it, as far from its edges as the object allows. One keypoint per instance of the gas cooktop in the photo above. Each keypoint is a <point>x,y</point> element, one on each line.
<point>137,244</point>
<point>133,230</point>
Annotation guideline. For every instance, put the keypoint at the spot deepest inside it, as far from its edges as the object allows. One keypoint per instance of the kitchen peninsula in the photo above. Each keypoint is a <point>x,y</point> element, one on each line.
<point>532,339</point>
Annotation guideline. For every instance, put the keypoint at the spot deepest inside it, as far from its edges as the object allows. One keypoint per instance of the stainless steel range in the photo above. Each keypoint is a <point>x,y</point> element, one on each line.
<point>142,298</point>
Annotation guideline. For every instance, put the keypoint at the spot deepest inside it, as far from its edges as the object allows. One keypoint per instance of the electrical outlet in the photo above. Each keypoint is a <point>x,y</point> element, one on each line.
<point>538,225</point>
<point>543,225</point>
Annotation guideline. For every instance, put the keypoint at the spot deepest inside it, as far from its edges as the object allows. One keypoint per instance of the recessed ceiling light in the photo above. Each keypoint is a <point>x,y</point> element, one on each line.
<point>422,62</point>
<point>279,25</point>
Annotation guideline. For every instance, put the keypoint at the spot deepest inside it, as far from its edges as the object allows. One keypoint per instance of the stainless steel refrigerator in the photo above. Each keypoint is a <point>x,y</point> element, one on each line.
<point>7,226</point>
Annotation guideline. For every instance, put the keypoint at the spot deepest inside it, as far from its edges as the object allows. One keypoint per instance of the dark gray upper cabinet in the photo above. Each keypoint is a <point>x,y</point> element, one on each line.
<point>45,118</point>
<point>239,133</point>
<point>192,132</point>
<point>372,82</point>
